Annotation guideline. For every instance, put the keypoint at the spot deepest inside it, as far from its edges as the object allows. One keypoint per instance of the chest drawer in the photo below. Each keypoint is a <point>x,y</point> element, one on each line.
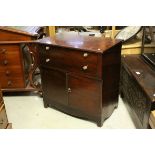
<point>11,77</point>
<point>3,117</point>
<point>12,83</point>
<point>10,55</point>
<point>70,60</point>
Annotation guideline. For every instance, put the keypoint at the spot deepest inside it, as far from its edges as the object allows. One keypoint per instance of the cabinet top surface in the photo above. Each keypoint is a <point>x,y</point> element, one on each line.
<point>25,30</point>
<point>142,72</point>
<point>88,43</point>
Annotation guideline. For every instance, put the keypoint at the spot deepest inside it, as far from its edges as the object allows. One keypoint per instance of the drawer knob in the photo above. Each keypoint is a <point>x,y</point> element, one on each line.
<point>9,83</point>
<point>47,47</point>
<point>3,51</point>
<point>85,55</point>
<point>85,67</point>
<point>7,73</point>
<point>47,60</point>
<point>5,62</point>
<point>69,90</point>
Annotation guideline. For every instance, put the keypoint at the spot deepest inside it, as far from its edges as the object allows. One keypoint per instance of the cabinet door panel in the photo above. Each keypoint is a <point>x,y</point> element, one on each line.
<point>85,95</point>
<point>54,86</point>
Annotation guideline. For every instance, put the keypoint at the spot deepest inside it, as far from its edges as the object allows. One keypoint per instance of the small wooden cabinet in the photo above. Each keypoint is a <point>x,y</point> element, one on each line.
<point>80,75</point>
<point>17,61</point>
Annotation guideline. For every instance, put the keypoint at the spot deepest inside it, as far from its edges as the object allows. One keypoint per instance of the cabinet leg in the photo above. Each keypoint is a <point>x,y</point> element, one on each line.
<point>46,105</point>
<point>99,123</point>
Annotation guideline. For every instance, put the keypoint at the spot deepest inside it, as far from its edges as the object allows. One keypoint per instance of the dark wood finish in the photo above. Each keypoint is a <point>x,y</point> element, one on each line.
<point>138,89</point>
<point>80,75</point>
<point>18,62</point>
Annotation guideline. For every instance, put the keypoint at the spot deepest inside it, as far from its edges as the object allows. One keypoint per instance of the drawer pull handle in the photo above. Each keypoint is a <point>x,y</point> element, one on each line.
<point>47,60</point>
<point>69,90</point>
<point>7,73</point>
<point>9,83</point>
<point>85,67</point>
<point>3,51</point>
<point>47,48</point>
<point>5,62</point>
<point>1,121</point>
<point>85,55</point>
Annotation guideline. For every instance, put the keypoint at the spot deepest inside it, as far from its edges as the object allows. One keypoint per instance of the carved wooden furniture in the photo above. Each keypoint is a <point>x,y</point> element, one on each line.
<point>3,116</point>
<point>137,87</point>
<point>17,61</point>
<point>80,75</point>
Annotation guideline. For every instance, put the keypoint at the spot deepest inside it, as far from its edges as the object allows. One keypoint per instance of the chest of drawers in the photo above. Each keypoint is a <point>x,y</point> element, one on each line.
<point>80,75</point>
<point>17,65</point>
<point>11,66</point>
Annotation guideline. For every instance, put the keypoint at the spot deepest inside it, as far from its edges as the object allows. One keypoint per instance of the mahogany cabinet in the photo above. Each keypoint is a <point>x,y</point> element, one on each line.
<point>3,116</point>
<point>17,61</point>
<point>80,75</point>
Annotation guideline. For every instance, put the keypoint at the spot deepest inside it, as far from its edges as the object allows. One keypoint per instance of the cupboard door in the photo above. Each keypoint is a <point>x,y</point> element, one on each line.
<point>85,95</point>
<point>54,87</point>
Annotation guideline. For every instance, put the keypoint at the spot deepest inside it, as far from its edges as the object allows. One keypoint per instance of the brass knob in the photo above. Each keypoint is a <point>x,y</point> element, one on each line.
<point>9,83</point>
<point>69,90</point>
<point>85,55</point>
<point>85,67</point>
<point>47,47</point>
<point>7,72</point>
<point>47,60</point>
<point>5,62</point>
<point>3,51</point>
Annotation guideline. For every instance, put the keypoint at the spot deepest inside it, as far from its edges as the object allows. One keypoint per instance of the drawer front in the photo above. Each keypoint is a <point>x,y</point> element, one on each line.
<point>3,118</point>
<point>11,82</point>
<point>11,72</point>
<point>11,77</point>
<point>10,55</point>
<point>71,60</point>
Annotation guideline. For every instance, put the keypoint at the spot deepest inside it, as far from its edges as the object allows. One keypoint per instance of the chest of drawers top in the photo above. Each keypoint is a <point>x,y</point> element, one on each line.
<point>85,43</point>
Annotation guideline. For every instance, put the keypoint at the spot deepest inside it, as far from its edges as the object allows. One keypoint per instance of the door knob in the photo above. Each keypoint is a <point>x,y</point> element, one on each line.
<point>47,60</point>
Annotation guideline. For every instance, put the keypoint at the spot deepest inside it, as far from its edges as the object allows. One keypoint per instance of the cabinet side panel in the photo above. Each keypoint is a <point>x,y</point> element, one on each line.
<point>111,76</point>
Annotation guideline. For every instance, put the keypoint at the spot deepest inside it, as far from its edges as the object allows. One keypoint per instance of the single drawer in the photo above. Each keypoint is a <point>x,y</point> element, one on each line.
<point>12,71</point>
<point>10,55</point>
<point>3,117</point>
<point>70,60</point>
<point>12,82</point>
